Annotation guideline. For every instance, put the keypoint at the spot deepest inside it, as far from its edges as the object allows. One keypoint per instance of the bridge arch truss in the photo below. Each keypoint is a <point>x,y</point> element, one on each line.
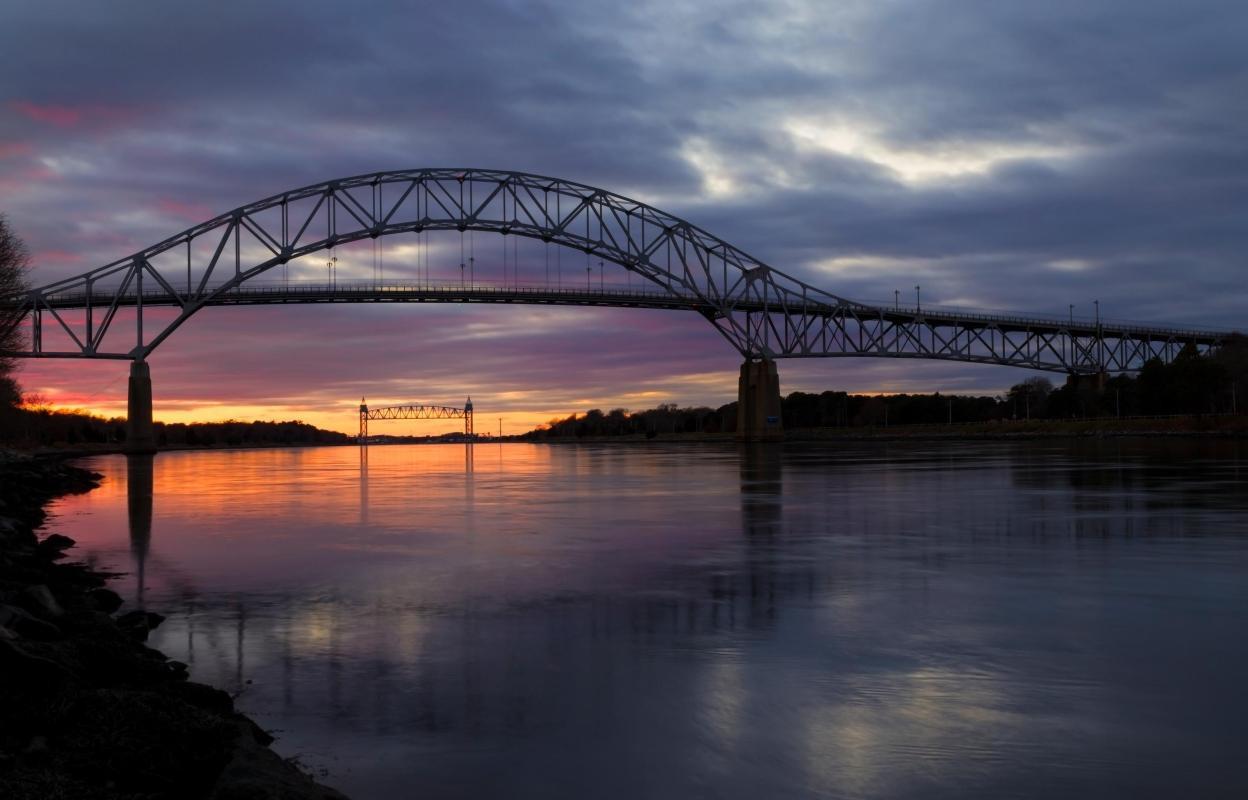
<point>762,312</point>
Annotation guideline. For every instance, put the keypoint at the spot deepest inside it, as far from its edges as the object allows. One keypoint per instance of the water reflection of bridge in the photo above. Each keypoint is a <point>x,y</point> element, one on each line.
<point>389,664</point>
<point>354,659</point>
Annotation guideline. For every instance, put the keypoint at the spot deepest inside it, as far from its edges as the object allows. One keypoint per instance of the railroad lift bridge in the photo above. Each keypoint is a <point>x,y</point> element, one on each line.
<point>125,309</point>
<point>414,411</point>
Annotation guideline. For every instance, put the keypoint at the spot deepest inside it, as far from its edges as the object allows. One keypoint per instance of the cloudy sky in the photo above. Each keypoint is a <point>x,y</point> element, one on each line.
<point>1004,155</point>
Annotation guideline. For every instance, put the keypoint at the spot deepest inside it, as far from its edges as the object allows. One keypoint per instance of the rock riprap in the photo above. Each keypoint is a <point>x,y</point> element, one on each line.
<point>87,710</point>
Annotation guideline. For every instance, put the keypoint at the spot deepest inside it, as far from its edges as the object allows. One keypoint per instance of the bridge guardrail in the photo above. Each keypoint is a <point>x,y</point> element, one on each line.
<point>929,313</point>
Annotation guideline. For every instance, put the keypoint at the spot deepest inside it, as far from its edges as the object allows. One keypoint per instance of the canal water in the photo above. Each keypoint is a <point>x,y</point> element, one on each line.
<point>849,620</point>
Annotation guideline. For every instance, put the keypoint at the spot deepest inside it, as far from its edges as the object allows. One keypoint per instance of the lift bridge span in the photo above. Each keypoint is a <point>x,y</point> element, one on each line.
<point>125,309</point>
<point>414,411</point>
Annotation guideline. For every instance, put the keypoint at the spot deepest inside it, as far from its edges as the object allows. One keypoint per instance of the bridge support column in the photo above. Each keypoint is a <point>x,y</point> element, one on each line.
<point>140,433</point>
<point>1094,381</point>
<point>758,403</point>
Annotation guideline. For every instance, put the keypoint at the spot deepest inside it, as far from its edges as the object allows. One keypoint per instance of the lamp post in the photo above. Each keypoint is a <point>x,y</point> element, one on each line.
<point>918,305</point>
<point>1072,313</point>
<point>896,300</point>
<point>1097,304</point>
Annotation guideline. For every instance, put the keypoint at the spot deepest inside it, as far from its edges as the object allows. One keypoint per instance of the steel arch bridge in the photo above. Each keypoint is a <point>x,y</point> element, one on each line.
<point>762,312</point>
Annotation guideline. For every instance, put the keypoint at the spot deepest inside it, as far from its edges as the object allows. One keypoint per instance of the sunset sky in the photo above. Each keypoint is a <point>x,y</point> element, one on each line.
<point>1009,156</point>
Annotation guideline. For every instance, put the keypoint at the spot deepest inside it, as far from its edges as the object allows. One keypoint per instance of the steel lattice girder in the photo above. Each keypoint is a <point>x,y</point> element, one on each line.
<point>762,312</point>
<point>414,412</point>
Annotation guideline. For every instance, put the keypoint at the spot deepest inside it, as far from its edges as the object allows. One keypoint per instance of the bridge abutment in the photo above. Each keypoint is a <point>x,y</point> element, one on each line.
<point>140,433</point>
<point>1093,381</point>
<point>758,403</point>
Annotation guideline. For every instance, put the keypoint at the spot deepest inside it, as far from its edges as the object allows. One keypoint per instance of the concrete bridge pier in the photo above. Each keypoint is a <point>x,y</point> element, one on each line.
<point>140,433</point>
<point>758,402</point>
<point>1094,381</point>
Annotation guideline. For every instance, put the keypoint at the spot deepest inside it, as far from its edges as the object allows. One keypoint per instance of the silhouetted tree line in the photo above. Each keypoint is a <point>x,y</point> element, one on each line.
<point>667,418</point>
<point>34,427</point>
<point>1191,384</point>
<point>840,410</point>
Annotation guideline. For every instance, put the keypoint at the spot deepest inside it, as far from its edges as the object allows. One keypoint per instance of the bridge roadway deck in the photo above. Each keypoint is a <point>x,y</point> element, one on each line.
<point>102,299</point>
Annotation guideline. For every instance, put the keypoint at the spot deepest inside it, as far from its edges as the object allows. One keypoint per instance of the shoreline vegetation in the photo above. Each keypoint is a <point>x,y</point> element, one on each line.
<point>87,710</point>
<point>34,425</point>
<point>1203,391</point>
<point>581,428</point>
<point>1177,425</point>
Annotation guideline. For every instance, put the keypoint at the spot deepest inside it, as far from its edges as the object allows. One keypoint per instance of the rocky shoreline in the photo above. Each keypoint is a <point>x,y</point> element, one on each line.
<point>87,710</point>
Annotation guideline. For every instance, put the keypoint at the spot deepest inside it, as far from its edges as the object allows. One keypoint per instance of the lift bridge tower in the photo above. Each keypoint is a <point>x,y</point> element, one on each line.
<point>414,411</point>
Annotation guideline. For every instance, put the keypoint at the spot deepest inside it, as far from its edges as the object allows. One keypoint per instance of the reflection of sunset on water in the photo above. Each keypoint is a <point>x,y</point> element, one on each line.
<point>767,622</point>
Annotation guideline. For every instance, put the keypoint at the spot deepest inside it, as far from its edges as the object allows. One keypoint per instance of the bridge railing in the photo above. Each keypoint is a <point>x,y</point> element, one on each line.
<point>313,288</point>
<point>929,313</point>
<point>1048,320</point>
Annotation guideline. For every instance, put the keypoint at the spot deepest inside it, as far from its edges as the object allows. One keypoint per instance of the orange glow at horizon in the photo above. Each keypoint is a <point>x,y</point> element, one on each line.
<point>520,410</point>
<point>345,420</point>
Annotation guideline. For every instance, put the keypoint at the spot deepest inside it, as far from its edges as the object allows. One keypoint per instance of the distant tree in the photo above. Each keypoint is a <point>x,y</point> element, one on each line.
<point>1156,391</point>
<point>1121,397</point>
<point>1191,384</point>
<point>1233,358</point>
<point>1198,381</point>
<point>1028,399</point>
<point>14,261</point>
<point>10,408</point>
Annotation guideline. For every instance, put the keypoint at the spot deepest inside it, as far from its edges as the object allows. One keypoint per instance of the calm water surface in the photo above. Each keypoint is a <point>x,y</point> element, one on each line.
<point>909,621</point>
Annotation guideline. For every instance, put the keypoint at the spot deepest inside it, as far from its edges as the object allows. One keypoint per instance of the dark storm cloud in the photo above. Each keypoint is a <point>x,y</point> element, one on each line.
<point>1010,155</point>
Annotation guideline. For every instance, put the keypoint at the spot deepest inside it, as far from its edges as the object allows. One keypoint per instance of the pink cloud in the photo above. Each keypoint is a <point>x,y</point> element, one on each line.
<point>190,212</point>
<point>60,116</point>
<point>21,179</point>
<point>93,118</point>
<point>15,149</point>
<point>54,256</point>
